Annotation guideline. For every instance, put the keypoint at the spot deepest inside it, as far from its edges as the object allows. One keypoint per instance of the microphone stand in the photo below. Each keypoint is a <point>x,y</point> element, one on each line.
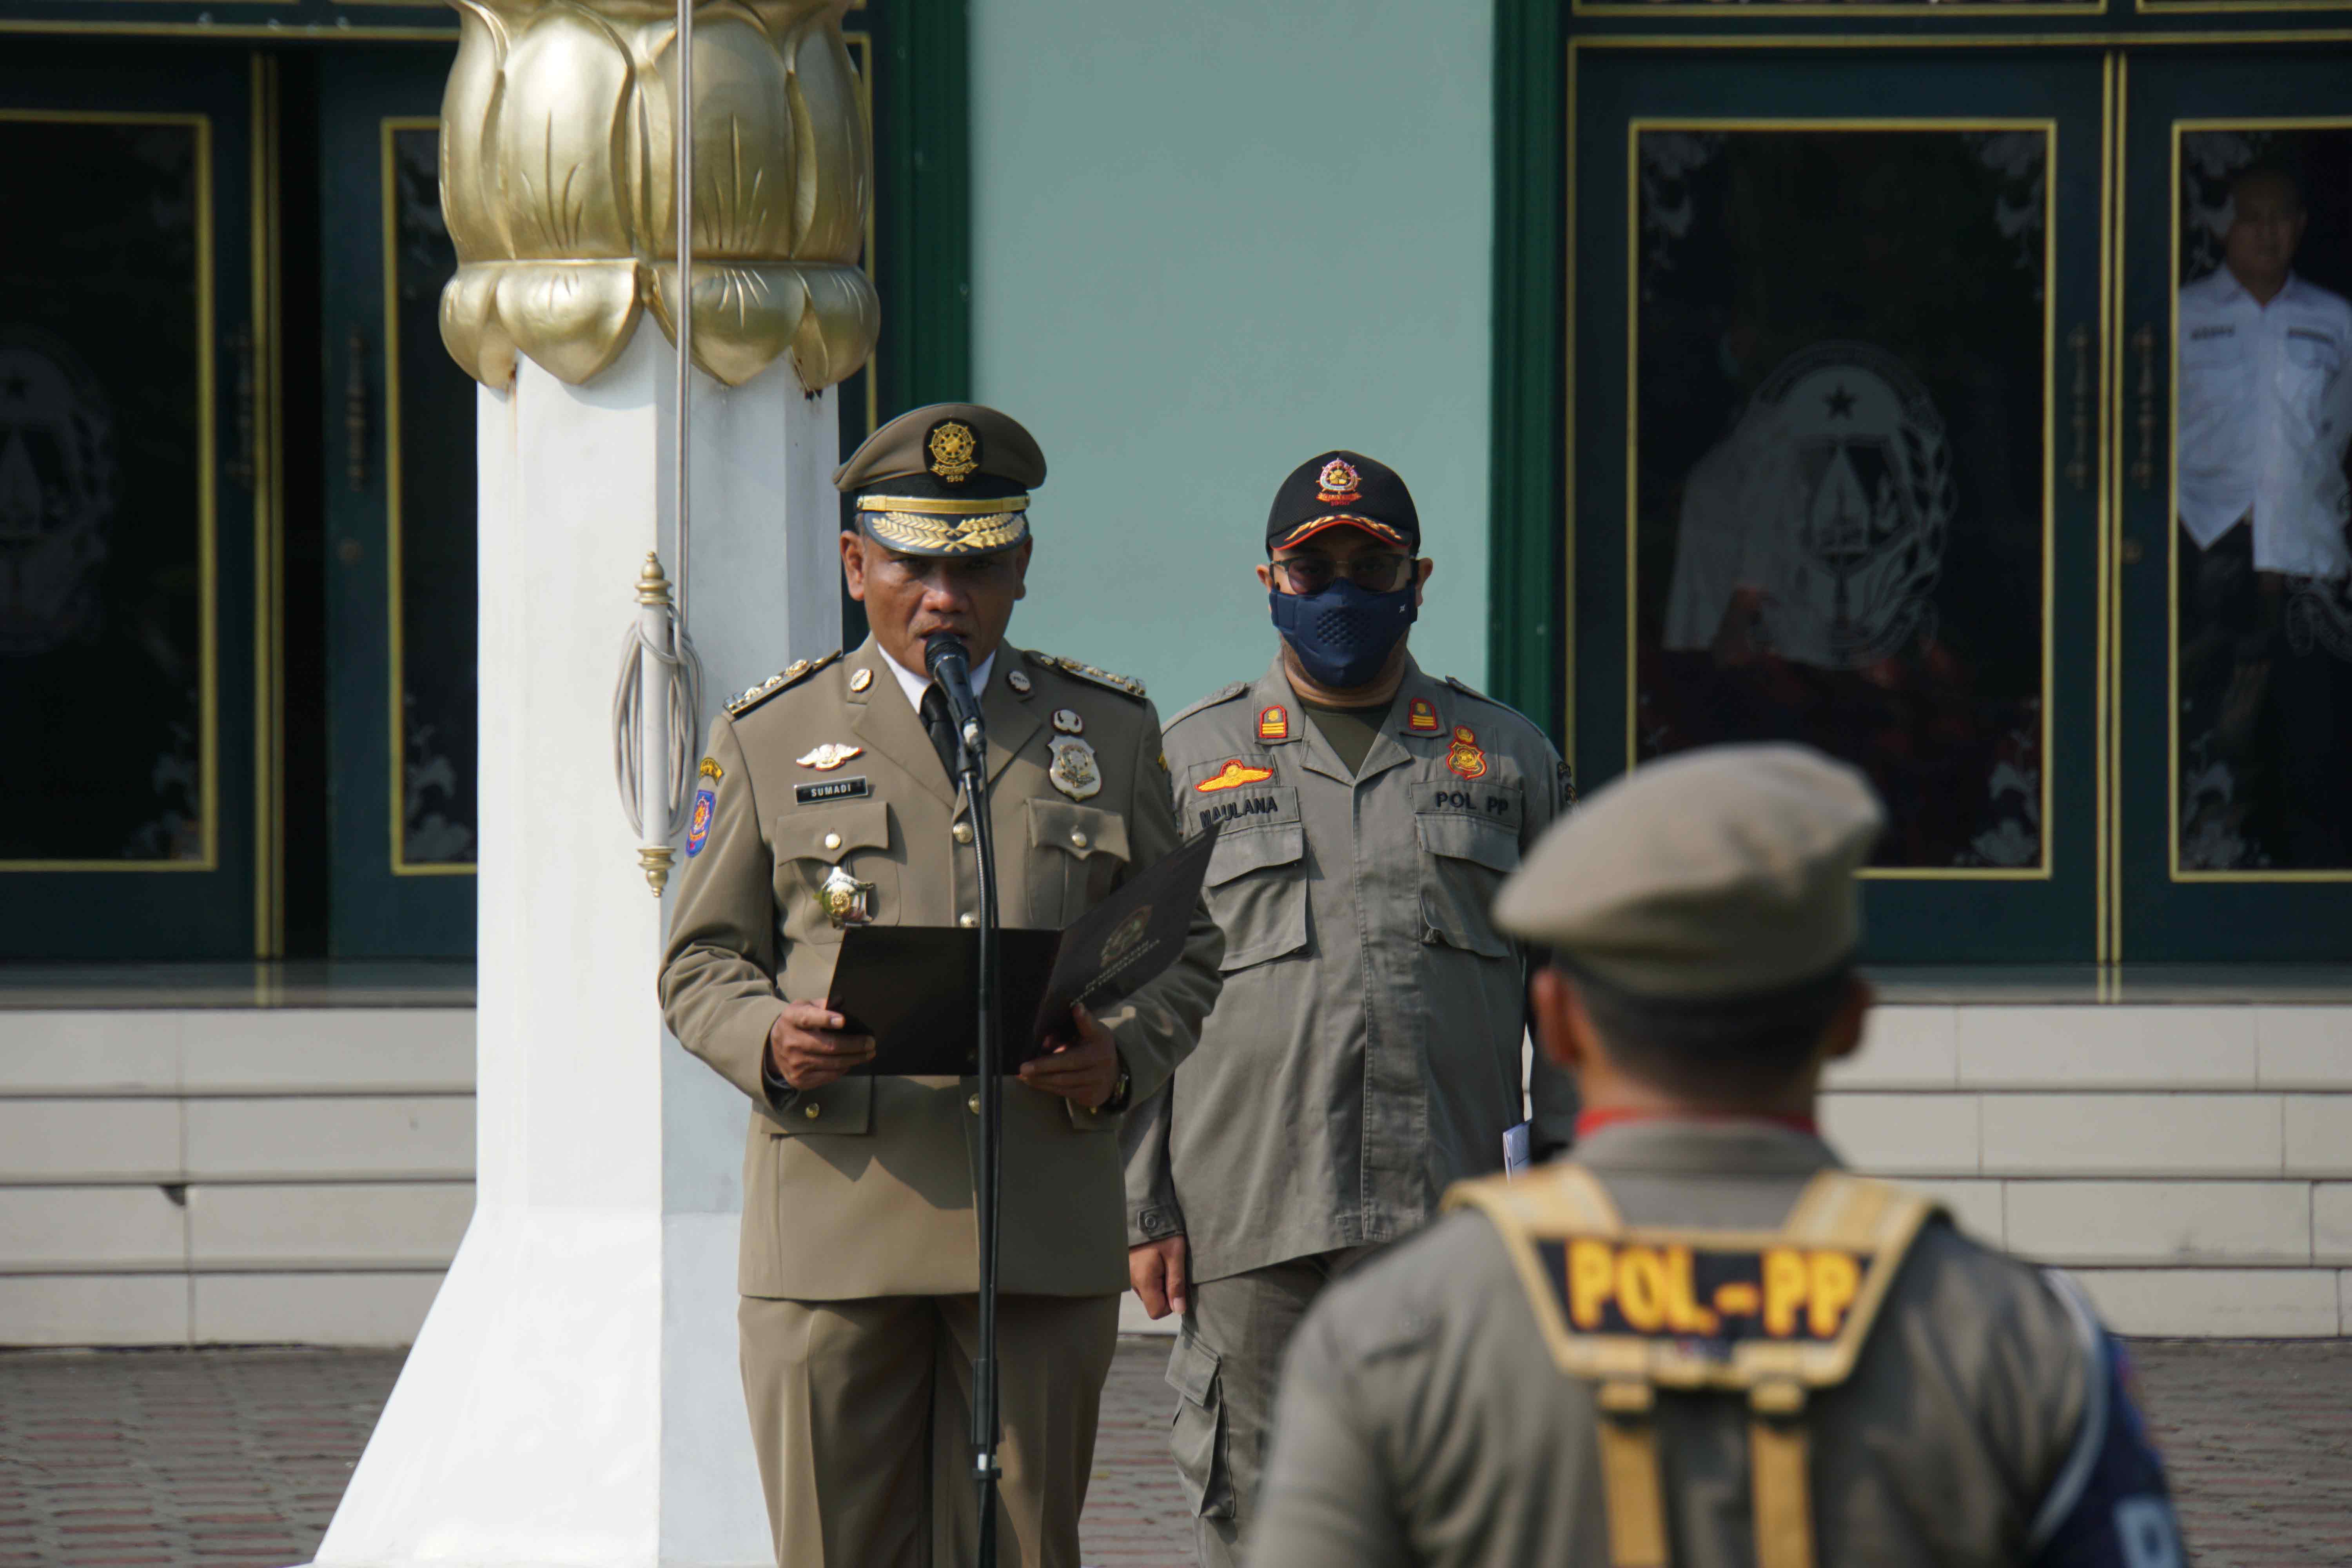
<point>986,1426</point>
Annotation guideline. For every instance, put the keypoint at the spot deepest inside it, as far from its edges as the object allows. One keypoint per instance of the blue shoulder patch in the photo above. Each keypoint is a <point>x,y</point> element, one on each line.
<point>2110,1506</point>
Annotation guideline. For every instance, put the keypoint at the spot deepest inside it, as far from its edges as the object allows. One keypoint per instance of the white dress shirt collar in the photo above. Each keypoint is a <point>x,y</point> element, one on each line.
<point>913,682</point>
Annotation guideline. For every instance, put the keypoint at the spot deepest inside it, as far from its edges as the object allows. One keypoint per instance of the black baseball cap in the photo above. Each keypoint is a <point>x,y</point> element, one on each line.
<point>1342,488</point>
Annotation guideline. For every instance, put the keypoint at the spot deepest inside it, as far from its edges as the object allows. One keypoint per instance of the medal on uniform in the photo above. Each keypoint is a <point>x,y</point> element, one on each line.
<point>1067,722</point>
<point>1463,756</point>
<point>1074,772</point>
<point>829,756</point>
<point>847,901</point>
<point>1019,682</point>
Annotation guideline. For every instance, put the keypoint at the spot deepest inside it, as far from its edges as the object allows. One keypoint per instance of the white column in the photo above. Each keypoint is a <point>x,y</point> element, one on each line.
<point>572,1399</point>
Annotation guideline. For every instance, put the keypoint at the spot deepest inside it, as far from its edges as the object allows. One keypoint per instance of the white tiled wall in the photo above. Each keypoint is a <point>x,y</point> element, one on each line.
<point>232,1175</point>
<point>275,1175</point>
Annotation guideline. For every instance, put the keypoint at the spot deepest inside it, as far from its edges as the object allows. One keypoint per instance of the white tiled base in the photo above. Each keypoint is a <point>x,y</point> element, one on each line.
<point>303,1175</point>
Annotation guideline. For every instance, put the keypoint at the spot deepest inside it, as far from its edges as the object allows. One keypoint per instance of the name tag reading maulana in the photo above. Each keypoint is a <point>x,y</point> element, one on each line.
<point>1668,1290</point>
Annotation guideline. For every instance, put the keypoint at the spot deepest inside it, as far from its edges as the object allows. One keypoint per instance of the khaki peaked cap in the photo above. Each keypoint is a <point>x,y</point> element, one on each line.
<point>950,479</point>
<point>1724,872</point>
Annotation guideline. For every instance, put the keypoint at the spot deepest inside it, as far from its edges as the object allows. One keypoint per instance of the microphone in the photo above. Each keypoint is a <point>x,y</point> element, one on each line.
<point>950,663</point>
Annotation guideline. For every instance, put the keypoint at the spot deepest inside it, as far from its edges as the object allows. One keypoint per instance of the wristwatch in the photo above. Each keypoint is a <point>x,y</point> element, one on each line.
<point>1119,1093</point>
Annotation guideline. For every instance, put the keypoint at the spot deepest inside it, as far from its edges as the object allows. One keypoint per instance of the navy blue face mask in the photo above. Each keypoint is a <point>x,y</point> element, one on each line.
<point>1343,634</point>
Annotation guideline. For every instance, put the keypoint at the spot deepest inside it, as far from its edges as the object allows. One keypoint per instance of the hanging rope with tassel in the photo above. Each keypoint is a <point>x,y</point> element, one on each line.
<point>653,758</point>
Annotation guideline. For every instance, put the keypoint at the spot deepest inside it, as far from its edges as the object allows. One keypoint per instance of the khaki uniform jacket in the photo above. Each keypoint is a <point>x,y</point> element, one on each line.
<point>864,1187</point>
<point>1365,1052</point>
<point>1424,1421</point>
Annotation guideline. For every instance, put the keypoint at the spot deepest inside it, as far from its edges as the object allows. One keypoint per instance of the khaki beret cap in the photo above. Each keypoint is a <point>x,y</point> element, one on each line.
<point>1725,871</point>
<point>950,479</point>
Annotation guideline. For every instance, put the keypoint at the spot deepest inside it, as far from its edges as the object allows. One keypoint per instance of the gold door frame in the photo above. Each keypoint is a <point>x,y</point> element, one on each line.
<point>2181,128</point>
<point>1634,128</point>
<point>268,527</point>
<point>207,479</point>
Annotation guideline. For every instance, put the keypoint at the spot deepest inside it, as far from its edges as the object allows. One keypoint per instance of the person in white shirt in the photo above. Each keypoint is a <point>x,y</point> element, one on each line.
<point>2265,408</point>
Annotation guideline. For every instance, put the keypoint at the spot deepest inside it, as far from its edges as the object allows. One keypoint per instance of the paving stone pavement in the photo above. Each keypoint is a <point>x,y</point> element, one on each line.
<point>235,1459</point>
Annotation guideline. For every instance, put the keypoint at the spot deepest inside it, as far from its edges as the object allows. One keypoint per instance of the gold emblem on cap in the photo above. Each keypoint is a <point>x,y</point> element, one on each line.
<point>1338,481</point>
<point>1067,721</point>
<point>1074,772</point>
<point>954,451</point>
<point>859,679</point>
<point>829,756</point>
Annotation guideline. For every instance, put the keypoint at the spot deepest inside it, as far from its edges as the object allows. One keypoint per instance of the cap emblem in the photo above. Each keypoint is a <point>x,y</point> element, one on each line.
<point>1420,717</point>
<point>1464,757</point>
<point>1274,723</point>
<point>955,451</point>
<point>1338,483</point>
<point>1232,775</point>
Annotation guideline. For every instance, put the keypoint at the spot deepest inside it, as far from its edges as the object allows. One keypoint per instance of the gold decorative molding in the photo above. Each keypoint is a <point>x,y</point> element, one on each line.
<point>557,160</point>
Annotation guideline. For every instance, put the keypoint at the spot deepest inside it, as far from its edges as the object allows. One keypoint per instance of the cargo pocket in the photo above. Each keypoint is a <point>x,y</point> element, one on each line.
<point>812,843</point>
<point>1076,854</point>
<point>1258,893</point>
<point>1464,860</point>
<point>1198,1434</point>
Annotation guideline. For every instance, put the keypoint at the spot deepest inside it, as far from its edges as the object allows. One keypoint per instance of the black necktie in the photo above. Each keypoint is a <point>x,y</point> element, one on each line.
<point>942,727</point>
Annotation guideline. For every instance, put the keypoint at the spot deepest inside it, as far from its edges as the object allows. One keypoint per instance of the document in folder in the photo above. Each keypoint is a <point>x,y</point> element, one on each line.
<point>913,988</point>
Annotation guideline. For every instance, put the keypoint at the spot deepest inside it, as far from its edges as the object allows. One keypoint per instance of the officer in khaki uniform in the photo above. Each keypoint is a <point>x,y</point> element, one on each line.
<point>826,802</point>
<point>1366,1050</point>
<point>1701,1342</point>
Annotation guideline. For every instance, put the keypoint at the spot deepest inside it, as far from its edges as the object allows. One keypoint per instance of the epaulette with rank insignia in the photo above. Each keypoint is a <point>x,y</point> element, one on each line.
<point>1222,694</point>
<point>784,679</point>
<point>1099,676</point>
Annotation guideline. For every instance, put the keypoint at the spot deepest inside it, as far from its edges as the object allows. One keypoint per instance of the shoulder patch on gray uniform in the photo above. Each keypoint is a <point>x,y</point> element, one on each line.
<point>1478,695</point>
<point>1222,694</point>
<point>784,679</point>
<point>1126,684</point>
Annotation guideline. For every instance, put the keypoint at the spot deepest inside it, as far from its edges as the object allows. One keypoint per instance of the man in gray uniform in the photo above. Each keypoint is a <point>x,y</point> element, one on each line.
<point>1701,1342</point>
<point>1367,1049</point>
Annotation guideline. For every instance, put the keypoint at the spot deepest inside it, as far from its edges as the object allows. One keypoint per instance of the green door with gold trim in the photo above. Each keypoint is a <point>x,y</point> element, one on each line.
<point>2234,566</point>
<point>132,489</point>
<point>1837,455</point>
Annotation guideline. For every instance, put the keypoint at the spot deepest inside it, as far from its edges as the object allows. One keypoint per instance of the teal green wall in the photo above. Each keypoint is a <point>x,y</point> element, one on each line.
<point>1209,241</point>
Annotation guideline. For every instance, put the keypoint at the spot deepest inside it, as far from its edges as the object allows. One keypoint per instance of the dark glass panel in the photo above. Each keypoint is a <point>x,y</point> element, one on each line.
<point>101,524</point>
<point>1839,473</point>
<point>2262,660</point>
<point>436,523</point>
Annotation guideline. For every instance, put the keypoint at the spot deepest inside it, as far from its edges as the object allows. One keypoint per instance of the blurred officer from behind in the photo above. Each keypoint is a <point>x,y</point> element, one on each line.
<point>1701,1342</point>
<point>1366,1050</point>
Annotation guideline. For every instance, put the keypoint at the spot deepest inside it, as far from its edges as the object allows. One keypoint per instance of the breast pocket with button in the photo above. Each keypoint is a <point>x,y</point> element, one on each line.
<point>1075,853</point>
<point>811,843</point>
<point>1464,859</point>
<point>1257,883</point>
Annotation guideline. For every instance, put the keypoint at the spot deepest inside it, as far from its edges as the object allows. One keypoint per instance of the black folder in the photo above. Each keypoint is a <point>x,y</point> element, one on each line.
<point>911,987</point>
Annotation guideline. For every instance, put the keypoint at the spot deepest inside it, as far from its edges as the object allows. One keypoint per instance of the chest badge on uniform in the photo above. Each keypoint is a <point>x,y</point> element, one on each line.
<point>847,901</point>
<point>829,756</point>
<point>1232,775</point>
<point>1420,718</point>
<point>1019,681</point>
<point>1274,723</point>
<point>1067,722</point>
<point>1074,772</point>
<point>859,679</point>
<point>1463,756</point>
